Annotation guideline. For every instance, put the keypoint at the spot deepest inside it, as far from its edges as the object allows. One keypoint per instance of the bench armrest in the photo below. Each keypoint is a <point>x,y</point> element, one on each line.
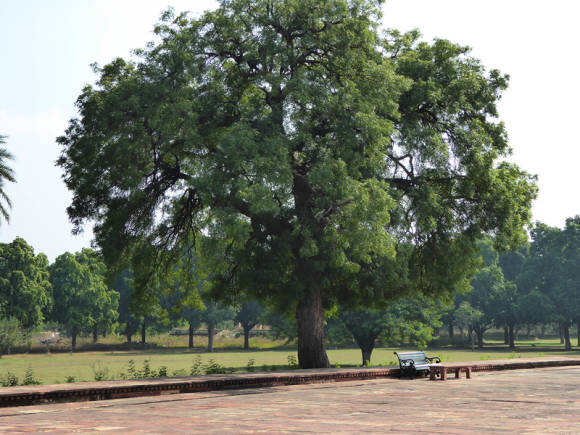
<point>432,359</point>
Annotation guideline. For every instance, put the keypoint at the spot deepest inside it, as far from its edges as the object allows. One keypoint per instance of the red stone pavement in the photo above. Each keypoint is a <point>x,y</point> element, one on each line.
<point>544,400</point>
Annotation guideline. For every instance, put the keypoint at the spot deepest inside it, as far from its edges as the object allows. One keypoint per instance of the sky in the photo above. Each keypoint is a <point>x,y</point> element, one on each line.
<point>47,47</point>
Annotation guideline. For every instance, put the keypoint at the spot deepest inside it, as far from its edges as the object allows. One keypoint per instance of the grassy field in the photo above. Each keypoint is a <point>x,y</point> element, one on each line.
<point>86,366</point>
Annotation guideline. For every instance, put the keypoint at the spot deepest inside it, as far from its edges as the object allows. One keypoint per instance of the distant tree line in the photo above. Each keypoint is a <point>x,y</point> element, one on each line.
<point>533,287</point>
<point>536,286</point>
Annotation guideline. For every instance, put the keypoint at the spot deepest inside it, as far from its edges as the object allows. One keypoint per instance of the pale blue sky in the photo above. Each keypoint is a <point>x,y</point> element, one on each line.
<point>46,48</point>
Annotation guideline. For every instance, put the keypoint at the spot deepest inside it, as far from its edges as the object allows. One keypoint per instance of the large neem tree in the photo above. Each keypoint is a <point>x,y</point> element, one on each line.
<point>303,146</point>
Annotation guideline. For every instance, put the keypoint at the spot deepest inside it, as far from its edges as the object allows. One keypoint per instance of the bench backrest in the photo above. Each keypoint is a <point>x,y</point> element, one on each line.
<point>418,357</point>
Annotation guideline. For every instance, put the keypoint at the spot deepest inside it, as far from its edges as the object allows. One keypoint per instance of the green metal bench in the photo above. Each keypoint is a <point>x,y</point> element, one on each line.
<point>411,363</point>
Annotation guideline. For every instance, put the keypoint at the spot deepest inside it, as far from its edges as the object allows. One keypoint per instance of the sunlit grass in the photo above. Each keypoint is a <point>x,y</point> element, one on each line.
<point>81,366</point>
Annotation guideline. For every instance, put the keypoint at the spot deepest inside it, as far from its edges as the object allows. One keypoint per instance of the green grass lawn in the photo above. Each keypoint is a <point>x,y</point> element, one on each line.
<point>82,366</point>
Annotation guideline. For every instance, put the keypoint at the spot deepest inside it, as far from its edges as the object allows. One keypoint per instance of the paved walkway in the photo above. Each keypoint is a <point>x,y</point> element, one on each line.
<point>545,400</point>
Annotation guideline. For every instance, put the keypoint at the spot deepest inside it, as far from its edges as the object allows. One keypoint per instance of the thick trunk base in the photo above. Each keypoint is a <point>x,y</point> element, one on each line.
<point>366,356</point>
<point>310,321</point>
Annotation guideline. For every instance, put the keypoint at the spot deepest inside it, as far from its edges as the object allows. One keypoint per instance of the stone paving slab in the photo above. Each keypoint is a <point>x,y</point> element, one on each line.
<point>88,391</point>
<point>539,401</point>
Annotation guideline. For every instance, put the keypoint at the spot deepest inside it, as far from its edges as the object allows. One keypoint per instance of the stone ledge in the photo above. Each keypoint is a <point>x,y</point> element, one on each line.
<point>106,390</point>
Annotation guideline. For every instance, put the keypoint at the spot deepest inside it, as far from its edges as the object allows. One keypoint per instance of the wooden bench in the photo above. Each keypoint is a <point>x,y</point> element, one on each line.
<point>442,369</point>
<point>410,363</point>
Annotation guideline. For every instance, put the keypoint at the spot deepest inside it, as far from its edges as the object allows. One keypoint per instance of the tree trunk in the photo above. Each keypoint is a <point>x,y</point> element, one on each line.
<point>129,336</point>
<point>506,335</point>
<point>75,332</point>
<point>310,322</point>
<point>247,337</point>
<point>451,332</point>
<point>480,339</point>
<point>104,334</point>
<point>143,331</point>
<point>561,331</point>
<point>543,331</point>
<point>436,332</point>
<point>471,338</point>
<point>190,344</point>
<point>95,334</point>
<point>210,332</point>
<point>366,355</point>
<point>567,344</point>
<point>511,337</point>
<point>461,331</point>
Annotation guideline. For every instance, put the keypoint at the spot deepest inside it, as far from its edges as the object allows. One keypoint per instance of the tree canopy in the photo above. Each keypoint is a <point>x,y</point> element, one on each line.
<point>81,297</point>
<point>25,290</point>
<point>303,146</point>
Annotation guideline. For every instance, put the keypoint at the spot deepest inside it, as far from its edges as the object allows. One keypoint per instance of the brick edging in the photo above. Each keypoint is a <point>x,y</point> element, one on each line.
<point>125,389</point>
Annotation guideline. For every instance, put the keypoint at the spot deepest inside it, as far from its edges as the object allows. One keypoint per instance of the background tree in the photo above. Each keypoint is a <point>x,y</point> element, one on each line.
<point>80,292</point>
<point>302,145</point>
<point>6,174</point>
<point>212,316</point>
<point>248,316</point>
<point>11,334</point>
<point>25,290</point>
<point>551,269</point>
<point>128,320</point>
<point>468,317</point>
<point>407,321</point>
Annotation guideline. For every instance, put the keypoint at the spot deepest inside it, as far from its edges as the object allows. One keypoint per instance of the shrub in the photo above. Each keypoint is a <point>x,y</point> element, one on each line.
<point>196,367</point>
<point>292,362</point>
<point>214,368</point>
<point>250,366</point>
<point>29,378</point>
<point>9,380</point>
<point>100,372</point>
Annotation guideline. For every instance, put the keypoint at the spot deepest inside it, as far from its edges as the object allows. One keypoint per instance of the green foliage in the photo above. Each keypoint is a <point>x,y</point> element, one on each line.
<point>196,367</point>
<point>25,290</point>
<point>70,379</point>
<point>250,366</point>
<point>292,362</point>
<point>81,297</point>
<point>100,371</point>
<point>6,174</point>
<point>292,146</point>
<point>10,334</point>
<point>9,380</point>
<point>213,368</point>
<point>29,378</point>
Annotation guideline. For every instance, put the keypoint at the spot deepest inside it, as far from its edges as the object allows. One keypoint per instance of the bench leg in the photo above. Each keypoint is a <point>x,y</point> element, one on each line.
<point>432,374</point>
<point>443,374</point>
<point>468,372</point>
<point>457,371</point>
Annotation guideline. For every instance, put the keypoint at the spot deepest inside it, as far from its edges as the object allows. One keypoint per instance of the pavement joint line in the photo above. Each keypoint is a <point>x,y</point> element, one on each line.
<point>242,383</point>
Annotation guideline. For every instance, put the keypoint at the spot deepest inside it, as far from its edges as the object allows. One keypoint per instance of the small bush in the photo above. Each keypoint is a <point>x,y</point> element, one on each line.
<point>70,379</point>
<point>250,366</point>
<point>146,372</point>
<point>162,372</point>
<point>29,378</point>
<point>196,367</point>
<point>100,372</point>
<point>9,380</point>
<point>214,368</point>
<point>292,362</point>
